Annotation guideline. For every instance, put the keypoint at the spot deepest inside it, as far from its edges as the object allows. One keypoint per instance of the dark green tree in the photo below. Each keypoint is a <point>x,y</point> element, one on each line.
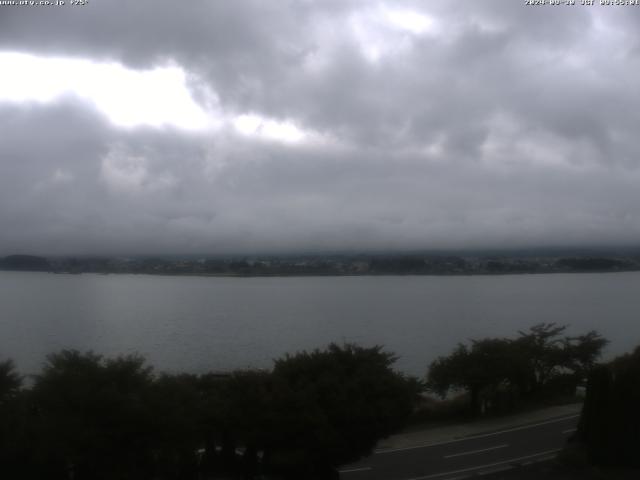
<point>331,407</point>
<point>538,362</point>
<point>91,417</point>
<point>176,405</point>
<point>543,347</point>
<point>234,420</point>
<point>582,352</point>
<point>610,420</point>
<point>10,381</point>
<point>11,438</point>
<point>556,360</point>
<point>482,369</point>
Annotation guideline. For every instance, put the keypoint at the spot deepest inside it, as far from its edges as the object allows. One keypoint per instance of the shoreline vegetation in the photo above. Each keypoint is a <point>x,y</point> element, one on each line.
<point>330,265</point>
<point>91,417</point>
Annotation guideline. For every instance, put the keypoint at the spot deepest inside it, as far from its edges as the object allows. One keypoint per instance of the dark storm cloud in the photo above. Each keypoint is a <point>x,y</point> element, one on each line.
<point>493,125</point>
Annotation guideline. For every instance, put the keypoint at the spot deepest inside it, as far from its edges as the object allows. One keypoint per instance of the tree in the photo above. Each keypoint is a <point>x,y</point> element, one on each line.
<point>543,348</point>
<point>539,360</point>
<point>176,405</point>
<point>10,381</point>
<point>237,417</point>
<point>10,419</point>
<point>332,406</point>
<point>582,352</point>
<point>610,421</point>
<point>551,356</point>
<point>490,364</point>
<point>91,417</point>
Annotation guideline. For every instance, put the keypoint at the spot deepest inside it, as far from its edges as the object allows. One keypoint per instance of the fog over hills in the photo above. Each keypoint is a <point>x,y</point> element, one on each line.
<point>296,126</point>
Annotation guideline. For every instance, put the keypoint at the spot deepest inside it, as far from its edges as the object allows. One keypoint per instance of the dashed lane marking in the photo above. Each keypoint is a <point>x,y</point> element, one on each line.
<point>471,452</point>
<point>351,470</point>
<point>473,437</point>
<point>489,465</point>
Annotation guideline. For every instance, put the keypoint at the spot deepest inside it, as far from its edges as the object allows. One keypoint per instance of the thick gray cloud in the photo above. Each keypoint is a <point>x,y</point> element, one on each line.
<point>457,125</point>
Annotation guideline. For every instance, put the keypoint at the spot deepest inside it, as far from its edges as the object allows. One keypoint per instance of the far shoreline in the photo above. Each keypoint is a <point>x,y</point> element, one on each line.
<point>325,275</point>
<point>330,265</point>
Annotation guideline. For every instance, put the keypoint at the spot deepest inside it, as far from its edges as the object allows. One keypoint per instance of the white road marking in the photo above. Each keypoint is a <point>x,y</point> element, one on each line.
<point>501,468</point>
<point>569,430</point>
<point>489,465</point>
<point>473,437</point>
<point>361,469</point>
<point>471,452</point>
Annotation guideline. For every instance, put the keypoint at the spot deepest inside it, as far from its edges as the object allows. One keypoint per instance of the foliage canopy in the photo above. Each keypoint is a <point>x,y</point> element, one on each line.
<point>539,360</point>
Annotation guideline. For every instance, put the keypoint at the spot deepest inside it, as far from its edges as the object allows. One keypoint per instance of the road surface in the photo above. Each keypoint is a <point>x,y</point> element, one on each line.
<point>463,457</point>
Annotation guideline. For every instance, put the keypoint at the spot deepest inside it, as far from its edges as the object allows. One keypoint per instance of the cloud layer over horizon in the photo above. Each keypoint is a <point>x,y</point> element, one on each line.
<point>217,127</point>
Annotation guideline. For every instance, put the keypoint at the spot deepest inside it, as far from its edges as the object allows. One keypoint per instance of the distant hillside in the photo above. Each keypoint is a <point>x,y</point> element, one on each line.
<point>25,262</point>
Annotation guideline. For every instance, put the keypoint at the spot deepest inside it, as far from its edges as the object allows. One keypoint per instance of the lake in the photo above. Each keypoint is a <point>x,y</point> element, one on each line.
<point>219,323</point>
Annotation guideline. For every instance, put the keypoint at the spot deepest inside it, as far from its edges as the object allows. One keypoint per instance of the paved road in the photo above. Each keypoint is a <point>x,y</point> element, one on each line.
<point>459,458</point>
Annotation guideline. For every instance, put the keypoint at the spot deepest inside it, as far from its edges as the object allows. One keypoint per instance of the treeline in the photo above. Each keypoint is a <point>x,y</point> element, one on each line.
<point>391,264</point>
<point>85,416</point>
<point>90,417</point>
<point>500,373</point>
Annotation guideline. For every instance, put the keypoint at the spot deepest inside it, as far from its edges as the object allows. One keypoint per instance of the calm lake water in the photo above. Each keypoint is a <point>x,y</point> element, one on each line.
<point>208,323</point>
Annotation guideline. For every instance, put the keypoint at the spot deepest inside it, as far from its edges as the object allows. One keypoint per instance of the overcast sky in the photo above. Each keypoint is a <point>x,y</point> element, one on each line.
<point>250,125</point>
